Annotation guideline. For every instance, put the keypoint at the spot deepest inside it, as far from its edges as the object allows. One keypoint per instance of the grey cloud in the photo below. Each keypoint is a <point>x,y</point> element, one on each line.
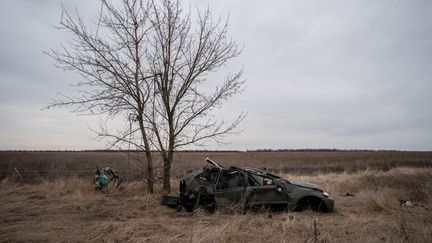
<point>319,73</point>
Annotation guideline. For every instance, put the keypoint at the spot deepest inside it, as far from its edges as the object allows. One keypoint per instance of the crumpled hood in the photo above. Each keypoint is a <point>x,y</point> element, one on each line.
<point>306,185</point>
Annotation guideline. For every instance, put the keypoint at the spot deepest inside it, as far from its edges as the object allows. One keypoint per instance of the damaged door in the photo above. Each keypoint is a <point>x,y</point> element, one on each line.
<point>229,189</point>
<point>269,192</point>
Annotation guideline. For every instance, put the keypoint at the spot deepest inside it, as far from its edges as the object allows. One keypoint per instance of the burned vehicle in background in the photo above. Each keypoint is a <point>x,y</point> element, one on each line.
<point>216,186</point>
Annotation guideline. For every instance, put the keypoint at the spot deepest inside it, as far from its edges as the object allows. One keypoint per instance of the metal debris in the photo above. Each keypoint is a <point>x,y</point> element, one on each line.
<point>407,203</point>
<point>104,176</point>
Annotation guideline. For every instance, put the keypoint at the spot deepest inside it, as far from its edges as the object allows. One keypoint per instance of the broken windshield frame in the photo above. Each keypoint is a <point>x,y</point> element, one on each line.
<point>256,177</point>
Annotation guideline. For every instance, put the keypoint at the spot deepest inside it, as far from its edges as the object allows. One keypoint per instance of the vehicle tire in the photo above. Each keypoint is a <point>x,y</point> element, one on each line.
<point>207,202</point>
<point>313,203</point>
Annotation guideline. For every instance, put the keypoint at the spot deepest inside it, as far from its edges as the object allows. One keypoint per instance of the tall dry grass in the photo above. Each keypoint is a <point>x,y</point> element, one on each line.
<point>69,210</point>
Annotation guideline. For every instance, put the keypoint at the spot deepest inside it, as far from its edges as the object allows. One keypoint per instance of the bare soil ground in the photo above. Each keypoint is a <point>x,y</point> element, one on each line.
<point>69,210</point>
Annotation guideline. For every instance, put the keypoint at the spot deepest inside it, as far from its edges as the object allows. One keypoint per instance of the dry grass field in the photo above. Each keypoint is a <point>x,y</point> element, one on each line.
<point>61,164</point>
<point>67,209</point>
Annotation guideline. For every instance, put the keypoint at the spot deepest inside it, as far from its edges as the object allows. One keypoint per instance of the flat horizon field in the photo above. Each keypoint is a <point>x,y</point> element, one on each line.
<point>64,207</point>
<point>131,165</point>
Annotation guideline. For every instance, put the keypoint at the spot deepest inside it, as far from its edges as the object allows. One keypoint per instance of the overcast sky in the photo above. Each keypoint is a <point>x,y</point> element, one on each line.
<point>320,74</point>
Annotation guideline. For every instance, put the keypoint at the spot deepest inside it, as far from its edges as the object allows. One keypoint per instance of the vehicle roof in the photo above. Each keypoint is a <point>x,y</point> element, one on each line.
<point>251,170</point>
<point>259,172</point>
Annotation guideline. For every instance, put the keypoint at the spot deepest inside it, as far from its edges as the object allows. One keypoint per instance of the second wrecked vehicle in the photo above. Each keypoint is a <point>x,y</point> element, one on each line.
<point>103,177</point>
<point>216,186</point>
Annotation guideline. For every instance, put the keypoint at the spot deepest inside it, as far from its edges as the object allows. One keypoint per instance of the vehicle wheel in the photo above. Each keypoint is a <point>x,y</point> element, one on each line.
<point>313,203</point>
<point>210,207</point>
<point>180,209</point>
<point>208,203</point>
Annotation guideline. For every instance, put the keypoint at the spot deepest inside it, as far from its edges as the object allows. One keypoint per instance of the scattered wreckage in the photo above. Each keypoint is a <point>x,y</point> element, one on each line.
<point>103,177</point>
<point>216,186</point>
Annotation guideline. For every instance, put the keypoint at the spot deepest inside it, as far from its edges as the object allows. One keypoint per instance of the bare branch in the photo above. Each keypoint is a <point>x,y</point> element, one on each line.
<point>148,61</point>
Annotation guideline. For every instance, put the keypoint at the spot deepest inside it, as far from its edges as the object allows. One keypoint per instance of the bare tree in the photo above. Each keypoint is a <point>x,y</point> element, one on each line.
<point>184,55</point>
<point>148,62</point>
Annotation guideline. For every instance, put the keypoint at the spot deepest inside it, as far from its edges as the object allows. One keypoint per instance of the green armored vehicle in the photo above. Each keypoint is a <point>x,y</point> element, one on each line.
<point>216,186</point>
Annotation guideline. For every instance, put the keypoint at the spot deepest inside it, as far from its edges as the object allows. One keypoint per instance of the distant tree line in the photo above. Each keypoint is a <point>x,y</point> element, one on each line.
<point>220,151</point>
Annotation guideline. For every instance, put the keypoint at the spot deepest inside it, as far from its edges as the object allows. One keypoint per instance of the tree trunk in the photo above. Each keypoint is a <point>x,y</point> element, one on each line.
<point>167,172</point>
<point>170,153</point>
<point>150,179</point>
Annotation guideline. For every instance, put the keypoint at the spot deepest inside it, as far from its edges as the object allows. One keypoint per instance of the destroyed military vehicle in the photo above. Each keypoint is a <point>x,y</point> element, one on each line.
<point>216,186</point>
